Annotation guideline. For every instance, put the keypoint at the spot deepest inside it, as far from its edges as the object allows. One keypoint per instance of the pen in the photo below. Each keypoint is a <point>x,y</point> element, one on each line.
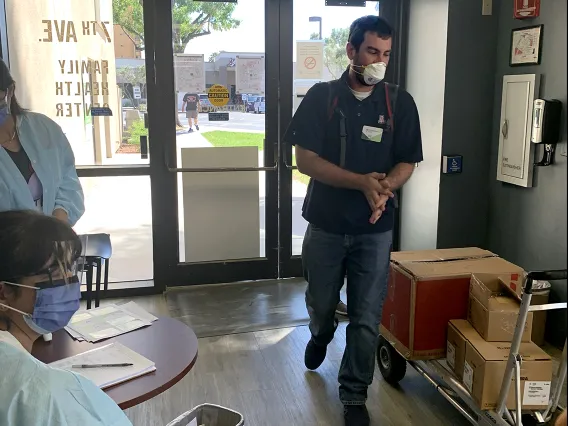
<point>126,364</point>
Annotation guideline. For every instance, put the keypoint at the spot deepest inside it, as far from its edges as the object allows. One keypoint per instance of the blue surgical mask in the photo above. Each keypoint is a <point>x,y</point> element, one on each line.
<point>5,109</point>
<point>56,302</point>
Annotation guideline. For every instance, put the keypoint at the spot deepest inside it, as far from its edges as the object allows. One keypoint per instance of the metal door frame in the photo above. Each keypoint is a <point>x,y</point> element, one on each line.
<point>168,271</point>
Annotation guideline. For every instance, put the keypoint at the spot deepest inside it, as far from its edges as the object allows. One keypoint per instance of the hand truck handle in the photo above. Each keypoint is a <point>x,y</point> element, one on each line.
<point>559,274</point>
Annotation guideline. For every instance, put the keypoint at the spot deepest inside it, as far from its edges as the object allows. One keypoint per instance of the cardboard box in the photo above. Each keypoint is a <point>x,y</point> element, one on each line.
<point>497,322</point>
<point>514,283</point>
<point>459,332</point>
<point>426,290</point>
<point>484,368</point>
<point>539,319</point>
<point>493,312</point>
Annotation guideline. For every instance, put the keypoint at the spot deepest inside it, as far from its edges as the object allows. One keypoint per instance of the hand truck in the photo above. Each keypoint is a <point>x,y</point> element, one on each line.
<point>393,368</point>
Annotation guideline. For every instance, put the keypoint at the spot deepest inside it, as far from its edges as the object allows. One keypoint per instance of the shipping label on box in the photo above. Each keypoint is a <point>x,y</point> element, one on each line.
<point>451,355</point>
<point>536,393</point>
<point>459,332</point>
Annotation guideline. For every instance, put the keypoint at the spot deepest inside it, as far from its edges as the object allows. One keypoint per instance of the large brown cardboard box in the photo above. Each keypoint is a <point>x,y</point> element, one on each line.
<point>493,312</point>
<point>426,290</point>
<point>459,332</point>
<point>484,368</point>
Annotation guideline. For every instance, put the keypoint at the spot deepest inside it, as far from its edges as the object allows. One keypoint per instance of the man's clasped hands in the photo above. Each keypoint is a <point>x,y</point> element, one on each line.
<point>377,190</point>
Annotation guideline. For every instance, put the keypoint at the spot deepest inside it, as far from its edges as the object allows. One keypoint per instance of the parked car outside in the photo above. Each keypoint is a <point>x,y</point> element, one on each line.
<point>260,105</point>
<point>204,104</point>
<point>250,102</point>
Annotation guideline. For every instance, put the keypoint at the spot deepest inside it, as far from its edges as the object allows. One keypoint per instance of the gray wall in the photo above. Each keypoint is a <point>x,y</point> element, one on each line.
<point>426,77</point>
<point>470,70</point>
<point>456,62</point>
<point>528,225</point>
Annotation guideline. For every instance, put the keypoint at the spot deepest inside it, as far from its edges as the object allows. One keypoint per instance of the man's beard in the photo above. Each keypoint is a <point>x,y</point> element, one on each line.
<point>359,70</point>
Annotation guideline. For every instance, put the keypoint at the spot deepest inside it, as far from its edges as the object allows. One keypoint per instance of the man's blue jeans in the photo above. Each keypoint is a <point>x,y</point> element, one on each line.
<point>327,258</point>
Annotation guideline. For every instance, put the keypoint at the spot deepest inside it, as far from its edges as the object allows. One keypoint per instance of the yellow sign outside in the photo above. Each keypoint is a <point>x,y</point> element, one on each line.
<point>218,95</point>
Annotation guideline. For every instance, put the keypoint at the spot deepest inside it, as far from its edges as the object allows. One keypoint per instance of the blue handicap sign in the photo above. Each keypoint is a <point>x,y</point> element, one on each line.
<point>452,164</point>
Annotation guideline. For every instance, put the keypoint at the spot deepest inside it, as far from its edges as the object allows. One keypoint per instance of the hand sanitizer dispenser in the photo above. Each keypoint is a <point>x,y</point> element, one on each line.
<point>546,127</point>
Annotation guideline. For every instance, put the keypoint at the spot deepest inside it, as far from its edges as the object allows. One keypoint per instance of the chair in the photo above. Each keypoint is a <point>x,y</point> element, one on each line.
<point>97,250</point>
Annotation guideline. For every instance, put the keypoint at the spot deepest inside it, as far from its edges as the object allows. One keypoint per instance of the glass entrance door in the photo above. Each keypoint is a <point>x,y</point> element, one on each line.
<point>227,195</point>
<point>313,41</point>
<point>219,121</point>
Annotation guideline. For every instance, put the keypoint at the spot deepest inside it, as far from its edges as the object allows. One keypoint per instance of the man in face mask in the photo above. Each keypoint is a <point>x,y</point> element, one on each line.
<point>358,138</point>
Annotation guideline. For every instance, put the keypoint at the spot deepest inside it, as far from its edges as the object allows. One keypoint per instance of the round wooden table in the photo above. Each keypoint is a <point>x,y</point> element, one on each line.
<point>169,343</point>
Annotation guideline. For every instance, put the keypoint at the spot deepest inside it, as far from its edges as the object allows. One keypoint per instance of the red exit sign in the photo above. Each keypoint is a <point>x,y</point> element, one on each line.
<point>526,9</point>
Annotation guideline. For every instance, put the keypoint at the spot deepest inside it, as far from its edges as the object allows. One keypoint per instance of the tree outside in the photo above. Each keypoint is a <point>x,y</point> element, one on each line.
<point>135,76</point>
<point>191,19</point>
<point>334,54</point>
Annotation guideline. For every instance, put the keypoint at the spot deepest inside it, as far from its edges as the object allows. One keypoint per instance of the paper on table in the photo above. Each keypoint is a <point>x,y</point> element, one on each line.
<point>102,323</point>
<point>137,311</point>
<point>114,353</point>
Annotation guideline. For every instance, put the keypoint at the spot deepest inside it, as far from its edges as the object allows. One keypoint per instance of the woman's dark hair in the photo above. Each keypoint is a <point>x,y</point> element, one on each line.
<point>371,23</point>
<point>31,243</point>
<point>15,108</point>
<point>6,81</point>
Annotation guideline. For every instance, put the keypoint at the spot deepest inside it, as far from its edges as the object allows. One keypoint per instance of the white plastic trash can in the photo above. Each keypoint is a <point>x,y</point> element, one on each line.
<point>209,415</point>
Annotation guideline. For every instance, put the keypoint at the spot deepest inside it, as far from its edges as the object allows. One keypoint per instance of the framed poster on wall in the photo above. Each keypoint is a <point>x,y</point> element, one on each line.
<point>526,46</point>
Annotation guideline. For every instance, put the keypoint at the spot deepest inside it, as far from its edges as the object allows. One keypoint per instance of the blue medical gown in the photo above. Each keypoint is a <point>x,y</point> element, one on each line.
<point>35,394</point>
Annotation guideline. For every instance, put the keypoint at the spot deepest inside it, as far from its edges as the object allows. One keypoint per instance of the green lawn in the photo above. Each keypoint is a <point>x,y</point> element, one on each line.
<point>220,138</point>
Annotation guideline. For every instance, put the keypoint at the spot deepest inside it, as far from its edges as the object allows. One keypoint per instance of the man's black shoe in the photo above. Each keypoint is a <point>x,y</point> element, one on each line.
<point>314,356</point>
<point>356,415</point>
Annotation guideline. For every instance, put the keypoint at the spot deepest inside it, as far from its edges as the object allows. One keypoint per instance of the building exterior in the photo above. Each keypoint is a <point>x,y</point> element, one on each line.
<point>125,46</point>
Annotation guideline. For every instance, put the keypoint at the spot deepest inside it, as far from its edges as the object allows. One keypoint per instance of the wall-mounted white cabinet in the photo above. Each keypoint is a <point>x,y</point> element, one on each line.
<point>515,160</point>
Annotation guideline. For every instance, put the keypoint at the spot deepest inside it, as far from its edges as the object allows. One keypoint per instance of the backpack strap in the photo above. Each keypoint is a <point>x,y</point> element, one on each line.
<point>332,99</point>
<point>342,138</point>
<point>332,102</point>
<point>391,96</point>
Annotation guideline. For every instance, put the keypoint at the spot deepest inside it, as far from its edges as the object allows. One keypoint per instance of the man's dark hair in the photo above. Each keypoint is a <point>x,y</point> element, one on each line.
<point>371,23</point>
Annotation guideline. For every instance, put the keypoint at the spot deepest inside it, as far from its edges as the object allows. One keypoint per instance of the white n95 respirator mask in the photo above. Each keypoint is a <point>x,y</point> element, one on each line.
<point>372,74</point>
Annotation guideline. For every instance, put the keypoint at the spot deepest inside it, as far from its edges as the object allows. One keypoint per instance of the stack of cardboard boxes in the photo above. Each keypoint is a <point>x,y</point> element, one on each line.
<point>478,348</point>
<point>430,289</point>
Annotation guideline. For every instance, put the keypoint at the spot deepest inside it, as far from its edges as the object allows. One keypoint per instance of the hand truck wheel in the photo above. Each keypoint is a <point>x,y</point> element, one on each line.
<point>391,363</point>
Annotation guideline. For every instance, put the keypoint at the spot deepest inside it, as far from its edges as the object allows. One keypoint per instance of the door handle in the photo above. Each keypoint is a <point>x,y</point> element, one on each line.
<point>221,169</point>
<point>286,165</point>
<point>505,129</point>
<point>218,169</point>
